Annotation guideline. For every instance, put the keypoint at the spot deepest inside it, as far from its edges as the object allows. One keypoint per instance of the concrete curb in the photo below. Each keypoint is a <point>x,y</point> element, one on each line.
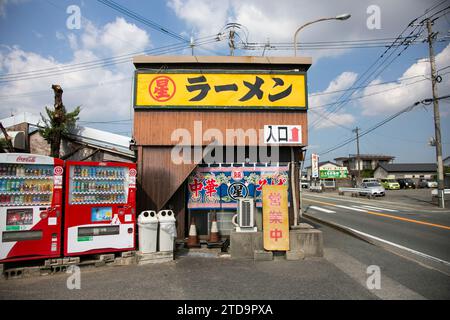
<point>422,260</point>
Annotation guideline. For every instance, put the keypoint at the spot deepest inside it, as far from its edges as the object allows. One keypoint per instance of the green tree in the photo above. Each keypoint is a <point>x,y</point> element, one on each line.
<point>58,122</point>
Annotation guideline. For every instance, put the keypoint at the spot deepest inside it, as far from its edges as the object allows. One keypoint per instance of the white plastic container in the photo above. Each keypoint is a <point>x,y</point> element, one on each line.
<point>167,230</point>
<point>148,231</point>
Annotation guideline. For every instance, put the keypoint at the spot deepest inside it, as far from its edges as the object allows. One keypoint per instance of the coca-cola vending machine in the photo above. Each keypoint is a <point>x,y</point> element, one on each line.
<point>100,207</point>
<point>30,206</point>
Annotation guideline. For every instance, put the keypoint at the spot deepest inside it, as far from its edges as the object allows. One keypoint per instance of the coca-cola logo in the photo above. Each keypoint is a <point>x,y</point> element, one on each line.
<point>26,159</point>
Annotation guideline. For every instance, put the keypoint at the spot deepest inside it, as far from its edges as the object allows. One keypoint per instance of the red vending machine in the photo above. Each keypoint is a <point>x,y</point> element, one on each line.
<point>100,207</point>
<point>30,206</point>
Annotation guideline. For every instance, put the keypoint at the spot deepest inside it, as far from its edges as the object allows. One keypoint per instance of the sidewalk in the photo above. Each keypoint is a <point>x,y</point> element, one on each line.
<point>342,274</point>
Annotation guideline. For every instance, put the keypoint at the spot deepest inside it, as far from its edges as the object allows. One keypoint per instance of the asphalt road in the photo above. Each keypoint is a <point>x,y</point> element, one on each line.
<point>341,274</point>
<point>424,229</point>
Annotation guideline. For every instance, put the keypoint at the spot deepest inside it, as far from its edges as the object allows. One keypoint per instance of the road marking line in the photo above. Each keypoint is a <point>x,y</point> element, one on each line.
<point>377,208</point>
<point>322,209</point>
<point>350,208</point>
<point>374,208</point>
<point>399,246</point>
<point>391,216</point>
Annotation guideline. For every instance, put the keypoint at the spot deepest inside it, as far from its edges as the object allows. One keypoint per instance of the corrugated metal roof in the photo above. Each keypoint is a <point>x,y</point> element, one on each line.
<point>409,167</point>
<point>94,137</point>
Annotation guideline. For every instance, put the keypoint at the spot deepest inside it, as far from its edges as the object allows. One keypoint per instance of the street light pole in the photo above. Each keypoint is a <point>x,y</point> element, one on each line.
<point>340,17</point>
<point>295,181</point>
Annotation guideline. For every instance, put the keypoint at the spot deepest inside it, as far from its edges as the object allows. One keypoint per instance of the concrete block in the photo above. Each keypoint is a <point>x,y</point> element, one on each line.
<point>126,261</point>
<point>32,271</point>
<point>127,254</point>
<point>107,257</point>
<point>310,241</point>
<point>295,255</point>
<point>156,257</point>
<point>243,244</point>
<point>262,255</point>
<point>100,263</point>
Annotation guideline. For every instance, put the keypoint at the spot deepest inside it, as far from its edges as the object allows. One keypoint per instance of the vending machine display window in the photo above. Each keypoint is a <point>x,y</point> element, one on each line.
<point>98,185</point>
<point>25,184</point>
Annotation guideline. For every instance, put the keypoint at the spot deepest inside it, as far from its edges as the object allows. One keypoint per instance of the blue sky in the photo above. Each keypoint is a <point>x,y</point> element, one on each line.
<point>34,36</point>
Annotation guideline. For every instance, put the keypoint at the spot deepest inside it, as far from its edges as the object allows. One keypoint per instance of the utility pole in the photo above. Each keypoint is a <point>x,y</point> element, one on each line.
<point>437,118</point>
<point>356,130</point>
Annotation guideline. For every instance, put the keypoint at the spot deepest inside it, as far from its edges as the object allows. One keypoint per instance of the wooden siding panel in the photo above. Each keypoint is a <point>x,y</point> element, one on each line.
<point>155,127</point>
<point>160,177</point>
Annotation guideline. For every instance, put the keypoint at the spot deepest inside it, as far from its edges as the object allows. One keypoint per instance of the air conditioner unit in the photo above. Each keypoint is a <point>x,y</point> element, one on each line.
<point>246,215</point>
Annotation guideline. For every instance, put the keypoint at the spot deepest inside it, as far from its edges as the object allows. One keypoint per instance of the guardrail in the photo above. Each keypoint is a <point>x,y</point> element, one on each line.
<point>357,191</point>
<point>434,192</point>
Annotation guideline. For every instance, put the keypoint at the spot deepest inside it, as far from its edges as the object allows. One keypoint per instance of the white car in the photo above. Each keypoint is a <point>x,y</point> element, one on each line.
<point>424,183</point>
<point>375,189</point>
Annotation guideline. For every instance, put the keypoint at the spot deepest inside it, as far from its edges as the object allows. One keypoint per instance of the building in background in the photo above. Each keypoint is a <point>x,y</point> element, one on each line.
<point>367,163</point>
<point>414,171</point>
<point>82,143</point>
<point>331,175</point>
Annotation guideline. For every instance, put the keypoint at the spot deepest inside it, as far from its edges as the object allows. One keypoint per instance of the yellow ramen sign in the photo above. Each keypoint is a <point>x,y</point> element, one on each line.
<point>220,90</point>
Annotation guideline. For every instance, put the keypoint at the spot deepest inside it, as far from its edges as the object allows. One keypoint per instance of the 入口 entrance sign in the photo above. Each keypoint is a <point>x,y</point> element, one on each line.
<point>275,218</point>
<point>282,134</point>
<point>220,90</point>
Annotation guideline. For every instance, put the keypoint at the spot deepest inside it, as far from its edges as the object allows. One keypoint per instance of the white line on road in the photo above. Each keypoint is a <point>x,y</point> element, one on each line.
<point>400,246</point>
<point>377,208</point>
<point>350,208</point>
<point>322,209</point>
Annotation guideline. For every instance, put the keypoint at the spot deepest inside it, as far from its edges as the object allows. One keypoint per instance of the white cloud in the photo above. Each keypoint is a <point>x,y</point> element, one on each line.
<point>318,103</point>
<point>399,95</point>
<point>278,20</point>
<point>108,101</point>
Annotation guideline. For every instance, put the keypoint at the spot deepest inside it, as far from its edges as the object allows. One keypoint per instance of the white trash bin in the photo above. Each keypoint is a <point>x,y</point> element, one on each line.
<point>167,230</point>
<point>148,231</point>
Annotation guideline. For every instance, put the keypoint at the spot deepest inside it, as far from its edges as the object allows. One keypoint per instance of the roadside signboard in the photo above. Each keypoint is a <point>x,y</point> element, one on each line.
<point>337,173</point>
<point>314,165</point>
<point>275,218</point>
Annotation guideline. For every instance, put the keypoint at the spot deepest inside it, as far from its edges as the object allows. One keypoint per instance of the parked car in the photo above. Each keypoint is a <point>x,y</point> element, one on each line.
<point>305,184</point>
<point>370,180</point>
<point>390,184</point>
<point>406,183</point>
<point>424,183</point>
<point>375,188</point>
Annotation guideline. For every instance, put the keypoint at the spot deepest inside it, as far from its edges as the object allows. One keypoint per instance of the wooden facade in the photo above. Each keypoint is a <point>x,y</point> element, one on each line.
<point>162,182</point>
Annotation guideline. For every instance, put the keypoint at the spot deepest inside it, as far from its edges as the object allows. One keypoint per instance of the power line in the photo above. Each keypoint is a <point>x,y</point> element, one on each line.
<point>114,5</point>
<point>93,64</point>
<point>381,123</point>
<point>367,75</point>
